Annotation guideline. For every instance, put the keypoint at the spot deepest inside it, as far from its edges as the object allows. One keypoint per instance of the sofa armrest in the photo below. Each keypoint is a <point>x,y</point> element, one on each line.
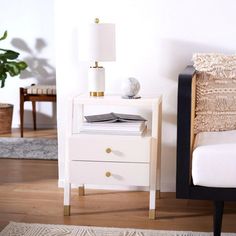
<point>184,131</point>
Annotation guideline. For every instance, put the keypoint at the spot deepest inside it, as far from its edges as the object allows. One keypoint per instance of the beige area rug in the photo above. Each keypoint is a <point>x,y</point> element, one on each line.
<point>23,229</point>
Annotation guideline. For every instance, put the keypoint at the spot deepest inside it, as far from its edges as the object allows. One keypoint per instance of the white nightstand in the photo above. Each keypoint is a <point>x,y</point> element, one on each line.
<point>103,159</point>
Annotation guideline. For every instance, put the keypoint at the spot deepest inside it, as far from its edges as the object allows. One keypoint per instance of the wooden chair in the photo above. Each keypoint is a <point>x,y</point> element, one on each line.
<point>35,93</point>
<point>185,187</point>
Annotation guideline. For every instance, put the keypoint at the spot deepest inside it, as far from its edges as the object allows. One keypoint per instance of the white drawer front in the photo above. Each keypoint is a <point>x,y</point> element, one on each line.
<point>110,148</point>
<point>82,172</point>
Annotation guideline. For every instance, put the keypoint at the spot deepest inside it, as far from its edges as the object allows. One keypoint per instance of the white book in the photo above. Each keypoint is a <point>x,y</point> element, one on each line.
<point>114,132</point>
<point>113,117</point>
<point>114,126</point>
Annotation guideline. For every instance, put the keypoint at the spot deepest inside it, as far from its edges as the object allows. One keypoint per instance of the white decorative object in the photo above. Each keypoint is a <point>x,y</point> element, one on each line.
<point>130,88</point>
<point>96,79</point>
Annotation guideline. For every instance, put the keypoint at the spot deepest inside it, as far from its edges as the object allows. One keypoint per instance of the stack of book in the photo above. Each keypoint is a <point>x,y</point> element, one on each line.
<point>114,123</point>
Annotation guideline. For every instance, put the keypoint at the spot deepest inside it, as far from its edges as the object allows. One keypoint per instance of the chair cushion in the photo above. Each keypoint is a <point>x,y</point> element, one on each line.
<point>42,89</point>
<point>214,159</point>
<point>215,92</point>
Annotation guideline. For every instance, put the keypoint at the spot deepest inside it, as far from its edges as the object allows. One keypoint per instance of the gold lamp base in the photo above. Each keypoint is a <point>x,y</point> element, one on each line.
<point>96,94</point>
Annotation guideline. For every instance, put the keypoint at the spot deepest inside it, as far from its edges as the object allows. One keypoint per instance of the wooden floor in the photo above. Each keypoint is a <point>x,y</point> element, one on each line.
<point>29,193</point>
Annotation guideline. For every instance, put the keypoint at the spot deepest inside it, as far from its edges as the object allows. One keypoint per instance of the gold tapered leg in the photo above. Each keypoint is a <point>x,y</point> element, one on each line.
<point>81,191</point>
<point>158,194</point>
<point>152,214</point>
<point>66,210</point>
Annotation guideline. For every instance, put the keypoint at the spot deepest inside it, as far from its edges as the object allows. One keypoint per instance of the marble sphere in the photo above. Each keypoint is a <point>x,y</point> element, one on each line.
<point>130,87</point>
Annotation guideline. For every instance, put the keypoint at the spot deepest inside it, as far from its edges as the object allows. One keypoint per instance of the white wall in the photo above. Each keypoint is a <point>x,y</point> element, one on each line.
<point>155,40</point>
<point>30,29</point>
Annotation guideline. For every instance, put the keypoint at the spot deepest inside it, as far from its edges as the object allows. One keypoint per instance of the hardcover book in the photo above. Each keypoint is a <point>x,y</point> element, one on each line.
<point>114,117</point>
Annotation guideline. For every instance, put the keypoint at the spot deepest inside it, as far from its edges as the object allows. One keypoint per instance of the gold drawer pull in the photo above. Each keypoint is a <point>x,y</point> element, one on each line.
<point>108,174</point>
<point>108,150</point>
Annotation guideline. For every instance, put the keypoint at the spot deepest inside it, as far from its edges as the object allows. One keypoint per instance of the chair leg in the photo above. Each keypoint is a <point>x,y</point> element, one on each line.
<point>34,113</point>
<point>21,112</point>
<point>218,215</point>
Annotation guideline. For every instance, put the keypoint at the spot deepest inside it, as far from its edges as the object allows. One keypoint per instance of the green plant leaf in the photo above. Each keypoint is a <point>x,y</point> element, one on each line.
<point>22,65</point>
<point>3,77</point>
<point>12,68</point>
<point>2,69</point>
<point>4,36</point>
<point>2,57</point>
<point>9,65</point>
<point>9,54</point>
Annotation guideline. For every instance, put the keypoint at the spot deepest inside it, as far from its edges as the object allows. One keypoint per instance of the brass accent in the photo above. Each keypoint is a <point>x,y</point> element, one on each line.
<point>96,94</point>
<point>66,210</point>
<point>158,194</point>
<point>108,150</point>
<point>81,191</point>
<point>152,214</point>
<point>108,174</point>
<point>96,20</point>
<point>96,66</point>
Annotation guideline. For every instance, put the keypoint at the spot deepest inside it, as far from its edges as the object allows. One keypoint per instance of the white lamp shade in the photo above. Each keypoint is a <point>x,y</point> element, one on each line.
<point>101,42</point>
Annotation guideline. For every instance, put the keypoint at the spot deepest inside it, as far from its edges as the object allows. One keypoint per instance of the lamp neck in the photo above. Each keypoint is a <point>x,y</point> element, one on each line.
<point>96,65</point>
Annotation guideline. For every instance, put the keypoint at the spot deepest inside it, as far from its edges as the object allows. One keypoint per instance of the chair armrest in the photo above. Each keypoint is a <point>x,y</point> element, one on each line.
<point>184,130</point>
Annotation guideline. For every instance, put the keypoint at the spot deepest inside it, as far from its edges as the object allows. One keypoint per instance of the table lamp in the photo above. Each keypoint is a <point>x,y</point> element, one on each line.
<point>101,47</point>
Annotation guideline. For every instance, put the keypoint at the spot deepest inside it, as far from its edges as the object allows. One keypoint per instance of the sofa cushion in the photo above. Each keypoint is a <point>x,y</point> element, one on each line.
<point>215,92</point>
<point>214,159</point>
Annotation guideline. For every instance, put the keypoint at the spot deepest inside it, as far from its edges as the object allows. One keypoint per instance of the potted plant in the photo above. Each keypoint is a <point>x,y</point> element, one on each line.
<point>9,66</point>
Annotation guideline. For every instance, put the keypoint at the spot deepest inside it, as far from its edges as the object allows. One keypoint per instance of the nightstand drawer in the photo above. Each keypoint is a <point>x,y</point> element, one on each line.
<point>110,148</point>
<point>105,173</point>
